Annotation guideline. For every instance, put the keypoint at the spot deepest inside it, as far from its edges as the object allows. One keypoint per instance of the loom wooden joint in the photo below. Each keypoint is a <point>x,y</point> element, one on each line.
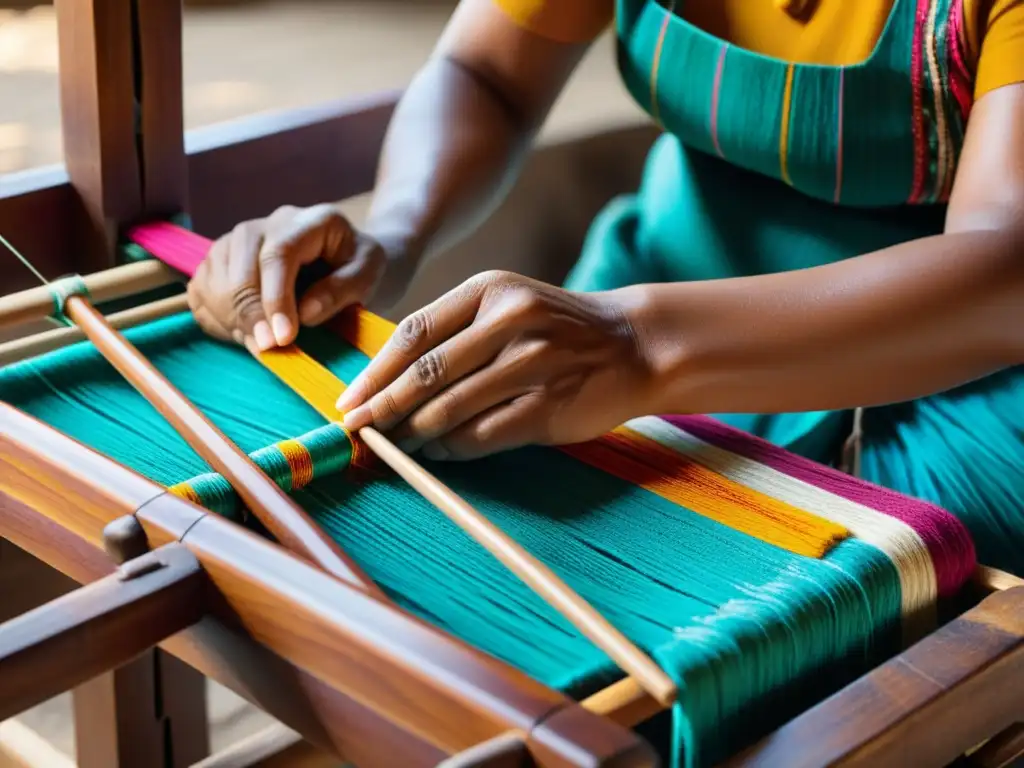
<point>124,539</point>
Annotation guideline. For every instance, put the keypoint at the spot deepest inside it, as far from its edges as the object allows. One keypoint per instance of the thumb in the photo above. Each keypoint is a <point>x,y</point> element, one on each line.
<point>314,233</point>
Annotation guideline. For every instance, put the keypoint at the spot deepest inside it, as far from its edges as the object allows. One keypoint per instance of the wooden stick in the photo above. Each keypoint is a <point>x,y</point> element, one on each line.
<point>276,746</point>
<point>58,338</point>
<point>280,514</point>
<point>21,747</point>
<point>624,702</point>
<point>114,283</point>
<point>994,580</point>
<point>534,573</point>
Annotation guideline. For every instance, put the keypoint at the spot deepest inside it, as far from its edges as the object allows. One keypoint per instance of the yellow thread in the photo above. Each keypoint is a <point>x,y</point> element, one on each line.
<point>310,380</point>
<point>299,462</point>
<point>313,383</point>
<point>637,459</point>
<point>186,492</point>
<point>364,330</point>
<point>787,96</point>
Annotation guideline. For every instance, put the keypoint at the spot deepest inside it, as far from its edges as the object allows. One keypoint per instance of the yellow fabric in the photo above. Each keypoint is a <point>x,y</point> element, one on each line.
<point>997,27</point>
<point>566,21</point>
<point>828,32</point>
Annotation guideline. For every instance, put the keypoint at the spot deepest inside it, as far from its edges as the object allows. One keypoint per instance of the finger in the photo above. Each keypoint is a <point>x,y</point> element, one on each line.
<point>415,336</point>
<point>318,232</point>
<point>204,317</point>
<point>438,369</point>
<point>462,402</point>
<point>243,276</point>
<point>520,422</point>
<point>347,285</point>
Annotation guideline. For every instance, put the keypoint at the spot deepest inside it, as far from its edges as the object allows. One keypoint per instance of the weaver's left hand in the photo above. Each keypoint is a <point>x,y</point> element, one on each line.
<point>500,362</point>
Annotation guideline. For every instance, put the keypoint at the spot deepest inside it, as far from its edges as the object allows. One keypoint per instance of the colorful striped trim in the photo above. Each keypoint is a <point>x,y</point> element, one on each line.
<point>941,98</point>
<point>917,102</point>
<point>292,464</point>
<point>947,539</point>
<point>894,538</point>
<point>635,458</point>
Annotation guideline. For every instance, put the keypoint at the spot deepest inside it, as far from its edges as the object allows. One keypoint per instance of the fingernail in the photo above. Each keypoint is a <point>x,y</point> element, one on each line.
<point>250,344</point>
<point>264,338</point>
<point>350,396</point>
<point>282,328</point>
<point>311,311</point>
<point>435,452</point>
<point>238,336</point>
<point>358,417</point>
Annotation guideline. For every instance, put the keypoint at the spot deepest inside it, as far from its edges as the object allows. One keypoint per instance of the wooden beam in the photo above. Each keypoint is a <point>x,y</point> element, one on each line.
<point>235,171</point>
<point>98,627</point>
<point>248,168</point>
<point>953,690</point>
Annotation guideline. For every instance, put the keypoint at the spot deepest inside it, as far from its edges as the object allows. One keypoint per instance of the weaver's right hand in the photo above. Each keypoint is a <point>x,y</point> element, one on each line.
<point>245,289</point>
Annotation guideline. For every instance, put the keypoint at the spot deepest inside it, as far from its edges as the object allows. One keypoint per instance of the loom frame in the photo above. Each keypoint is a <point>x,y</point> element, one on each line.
<point>128,159</point>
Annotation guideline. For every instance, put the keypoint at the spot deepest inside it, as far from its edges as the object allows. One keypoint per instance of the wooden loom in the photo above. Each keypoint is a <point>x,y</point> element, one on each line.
<point>353,675</point>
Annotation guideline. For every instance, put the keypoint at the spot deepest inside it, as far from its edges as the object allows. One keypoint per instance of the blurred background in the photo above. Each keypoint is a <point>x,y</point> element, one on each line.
<point>245,57</point>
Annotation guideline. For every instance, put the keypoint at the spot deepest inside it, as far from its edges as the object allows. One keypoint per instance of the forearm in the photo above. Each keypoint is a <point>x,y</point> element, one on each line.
<point>451,150</point>
<point>890,326</point>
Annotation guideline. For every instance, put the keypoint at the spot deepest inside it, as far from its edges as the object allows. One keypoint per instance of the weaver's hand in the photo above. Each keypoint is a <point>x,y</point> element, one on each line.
<point>245,289</point>
<point>500,362</point>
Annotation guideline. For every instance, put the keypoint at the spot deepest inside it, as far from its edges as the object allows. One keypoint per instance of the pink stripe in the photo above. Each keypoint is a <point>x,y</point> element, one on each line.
<point>715,93</point>
<point>174,246</point>
<point>959,75</point>
<point>839,139</point>
<point>917,114</point>
<point>947,540</point>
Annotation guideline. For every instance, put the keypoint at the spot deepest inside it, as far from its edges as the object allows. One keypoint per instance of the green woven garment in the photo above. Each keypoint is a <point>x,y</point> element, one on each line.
<point>751,638</point>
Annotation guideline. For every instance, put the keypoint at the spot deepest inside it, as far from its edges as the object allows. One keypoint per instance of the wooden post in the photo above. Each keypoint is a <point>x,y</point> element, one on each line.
<point>97,99</point>
<point>150,712</point>
<point>164,167</point>
<point>121,105</point>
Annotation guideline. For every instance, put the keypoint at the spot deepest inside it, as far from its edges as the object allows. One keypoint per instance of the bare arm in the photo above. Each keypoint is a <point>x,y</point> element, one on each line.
<point>454,144</point>
<point>460,132</point>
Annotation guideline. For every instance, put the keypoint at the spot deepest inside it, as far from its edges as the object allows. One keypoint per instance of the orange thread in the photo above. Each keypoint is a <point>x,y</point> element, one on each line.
<point>299,462</point>
<point>637,459</point>
<point>186,492</point>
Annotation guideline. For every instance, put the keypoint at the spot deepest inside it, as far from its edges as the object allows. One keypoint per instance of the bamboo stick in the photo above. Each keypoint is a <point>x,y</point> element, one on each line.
<point>58,338</point>
<point>110,284</point>
<point>535,574</point>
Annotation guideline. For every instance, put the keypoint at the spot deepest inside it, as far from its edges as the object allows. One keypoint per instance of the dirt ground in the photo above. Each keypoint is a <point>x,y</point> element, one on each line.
<point>240,59</point>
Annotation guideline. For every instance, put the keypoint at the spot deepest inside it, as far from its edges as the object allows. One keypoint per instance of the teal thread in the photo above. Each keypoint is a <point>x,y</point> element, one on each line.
<point>752,638</point>
<point>330,450</point>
